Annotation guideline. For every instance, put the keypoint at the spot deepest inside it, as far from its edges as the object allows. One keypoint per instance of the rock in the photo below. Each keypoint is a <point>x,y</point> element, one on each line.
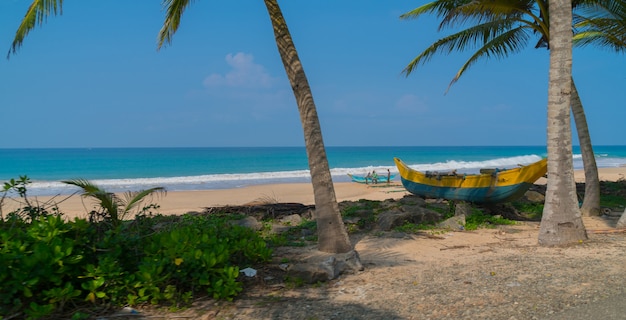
<point>326,266</point>
<point>291,220</point>
<point>534,197</point>
<point>391,219</point>
<point>462,209</point>
<point>248,222</point>
<point>308,273</point>
<point>454,223</point>
<point>351,220</point>
<point>412,214</point>
<point>411,200</point>
<point>280,228</point>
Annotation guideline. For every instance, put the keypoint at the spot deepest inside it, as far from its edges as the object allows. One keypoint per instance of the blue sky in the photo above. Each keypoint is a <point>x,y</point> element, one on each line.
<point>92,77</point>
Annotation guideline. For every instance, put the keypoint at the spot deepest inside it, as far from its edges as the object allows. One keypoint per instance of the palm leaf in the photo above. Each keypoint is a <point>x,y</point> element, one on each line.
<point>496,28</point>
<point>601,23</point>
<point>132,199</point>
<point>36,14</point>
<point>501,46</point>
<point>106,200</point>
<point>174,11</point>
<point>491,33</point>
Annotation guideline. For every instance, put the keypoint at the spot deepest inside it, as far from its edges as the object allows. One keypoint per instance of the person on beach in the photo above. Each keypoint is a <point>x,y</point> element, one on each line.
<point>368,177</point>
<point>374,177</point>
<point>388,176</point>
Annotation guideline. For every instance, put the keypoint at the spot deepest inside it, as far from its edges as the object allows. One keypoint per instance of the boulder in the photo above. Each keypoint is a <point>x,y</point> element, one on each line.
<point>325,266</point>
<point>248,222</point>
<point>455,223</point>
<point>411,214</point>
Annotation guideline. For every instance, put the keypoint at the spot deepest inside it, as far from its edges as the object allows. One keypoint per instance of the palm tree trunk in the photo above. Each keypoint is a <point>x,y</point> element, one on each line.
<point>562,221</point>
<point>332,235</point>
<point>591,202</point>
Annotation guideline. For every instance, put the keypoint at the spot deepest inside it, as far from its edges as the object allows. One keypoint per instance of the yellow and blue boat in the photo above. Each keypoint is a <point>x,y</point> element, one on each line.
<point>490,186</point>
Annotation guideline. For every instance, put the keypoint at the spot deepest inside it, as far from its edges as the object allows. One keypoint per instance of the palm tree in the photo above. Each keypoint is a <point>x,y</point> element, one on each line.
<point>561,222</point>
<point>114,208</point>
<point>603,25</point>
<point>332,235</point>
<point>500,29</point>
<point>504,27</point>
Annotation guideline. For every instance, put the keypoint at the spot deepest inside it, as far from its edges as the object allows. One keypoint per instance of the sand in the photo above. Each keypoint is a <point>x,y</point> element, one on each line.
<point>178,202</point>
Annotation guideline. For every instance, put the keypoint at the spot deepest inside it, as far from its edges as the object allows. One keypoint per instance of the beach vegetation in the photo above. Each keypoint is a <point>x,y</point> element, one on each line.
<point>479,219</point>
<point>350,211</point>
<point>297,236</point>
<point>268,199</point>
<point>112,208</point>
<point>77,269</point>
<point>612,201</point>
<point>410,227</point>
<point>28,209</point>
<point>614,186</point>
<point>532,211</point>
<point>446,210</point>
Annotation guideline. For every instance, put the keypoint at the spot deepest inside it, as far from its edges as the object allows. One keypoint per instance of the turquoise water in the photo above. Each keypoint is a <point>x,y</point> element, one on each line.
<point>121,169</point>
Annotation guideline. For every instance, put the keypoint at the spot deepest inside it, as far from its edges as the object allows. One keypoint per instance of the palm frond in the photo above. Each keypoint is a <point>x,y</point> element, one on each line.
<point>501,46</point>
<point>601,23</point>
<point>440,8</point>
<point>132,199</point>
<point>87,186</point>
<point>174,11</point>
<point>106,200</point>
<point>37,14</point>
<point>477,36</point>
<point>481,11</point>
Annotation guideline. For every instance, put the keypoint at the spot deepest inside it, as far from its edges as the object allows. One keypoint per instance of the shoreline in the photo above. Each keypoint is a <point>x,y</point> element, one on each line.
<point>180,202</point>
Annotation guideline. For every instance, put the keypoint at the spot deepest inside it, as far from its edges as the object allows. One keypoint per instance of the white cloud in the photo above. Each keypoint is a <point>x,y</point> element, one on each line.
<point>245,73</point>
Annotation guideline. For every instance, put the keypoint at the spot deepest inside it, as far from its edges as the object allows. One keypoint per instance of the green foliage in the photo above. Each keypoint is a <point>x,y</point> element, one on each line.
<point>350,211</point>
<point>612,201</point>
<point>479,219</point>
<point>363,205</point>
<point>27,210</point>
<point>613,194</point>
<point>51,265</point>
<point>414,228</point>
<point>294,236</point>
<point>533,211</point>
<point>114,208</point>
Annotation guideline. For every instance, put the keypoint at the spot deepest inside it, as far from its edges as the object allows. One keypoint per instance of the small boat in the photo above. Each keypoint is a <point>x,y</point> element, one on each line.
<point>489,186</point>
<point>361,179</point>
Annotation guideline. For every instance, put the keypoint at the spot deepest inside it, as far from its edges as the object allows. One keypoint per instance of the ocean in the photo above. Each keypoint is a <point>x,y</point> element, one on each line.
<point>132,169</point>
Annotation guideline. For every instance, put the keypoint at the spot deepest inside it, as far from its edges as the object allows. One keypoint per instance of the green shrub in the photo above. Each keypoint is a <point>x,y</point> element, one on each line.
<point>479,219</point>
<point>51,265</point>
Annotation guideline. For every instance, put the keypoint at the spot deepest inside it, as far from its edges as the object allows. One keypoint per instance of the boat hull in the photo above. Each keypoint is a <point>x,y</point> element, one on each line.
<point>495,187</point>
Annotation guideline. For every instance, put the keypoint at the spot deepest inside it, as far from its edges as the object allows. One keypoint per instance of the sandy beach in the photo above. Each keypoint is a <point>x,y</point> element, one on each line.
<point>178,202</point>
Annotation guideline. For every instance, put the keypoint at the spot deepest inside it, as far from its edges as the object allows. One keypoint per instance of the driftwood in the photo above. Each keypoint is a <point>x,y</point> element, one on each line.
<point>263,211</point>
<point>605,231</point>
<point>454,247</point>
